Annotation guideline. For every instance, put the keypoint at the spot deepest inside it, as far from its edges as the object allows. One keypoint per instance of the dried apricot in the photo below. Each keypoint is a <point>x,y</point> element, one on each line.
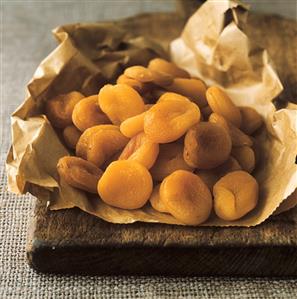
<point>137,85</point>
<point>87,113</point>
<point>169,120</point>
<point>207,145</point>
<point>156,202</point>
<point>186,197</point>
<point>220,103</point>
<point>59,109</point>
<point>79,173</point>
<point>125,184</point>
<point>162,65</point>
<point>139,73</point>
<point>237,136</point>
<point>120,102</point>
<point>142,150</point>
<point>251,120</point>
<point>98,144</point>
<point>235,195</point>
<point>211,176</point>
<point>71,135</point>
<point>132,125</point>
<point>245,157</point>
<point>194,89</point>
<point>169,160</point>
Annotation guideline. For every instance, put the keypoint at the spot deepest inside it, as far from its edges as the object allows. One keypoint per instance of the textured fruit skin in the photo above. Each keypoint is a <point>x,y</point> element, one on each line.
<point>59,109</point>
<point>142,150</point>
<point>156,202</point>
<point>207,145</point>
<point>235,195</point>
<point>251,120</point>
<point>164,66</point>
<point>125,184</point>
<point>137,85</point>
<point>99,143</point>
<point>120,102</point>
<point>87,113</point>
<point>71,136</point>
<point>238,137</point>
<point>194,89</point>
<point>220,103</point>
<point>245,157</point>
<point>132,125</point>
<point>186,197</point>
<point>79,173</point>
<point>139,73</point>
<point>167,121</point>
<point>170,159</point>
<point>211,176</point>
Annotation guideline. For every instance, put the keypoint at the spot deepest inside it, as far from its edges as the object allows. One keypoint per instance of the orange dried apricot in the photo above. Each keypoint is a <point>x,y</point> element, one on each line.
<point>169,120</point>
<point>186,197</point>
<point>156,202</point>
<point>207,145</point>
<point>211,176</point>
<point>251,120</point>
<point>235,195</point>
<point>194,89</point>
<point>137,85</point>
<point>132,125</point>
<point>79,173</point>
<point>169,160</point>
<point>59,109</point>
<point>125,184</point>
<point>98,144</point>
<point>237,136</point>
<point>142,150</point>
<point>120,102</point>
<point>172,96</point>
<point>139,73</point>
<point>245,157</point>
<point>162,65</point>
<point>87,113</point>
<point>220,103</point>
<point>71,135</point>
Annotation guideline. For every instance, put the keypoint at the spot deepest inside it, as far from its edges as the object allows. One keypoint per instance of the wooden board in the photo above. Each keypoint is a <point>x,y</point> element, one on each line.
<point>72,241</point>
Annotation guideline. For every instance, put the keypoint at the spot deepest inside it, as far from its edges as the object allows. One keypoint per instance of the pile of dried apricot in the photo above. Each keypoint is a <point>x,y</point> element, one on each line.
<point>159,137</point>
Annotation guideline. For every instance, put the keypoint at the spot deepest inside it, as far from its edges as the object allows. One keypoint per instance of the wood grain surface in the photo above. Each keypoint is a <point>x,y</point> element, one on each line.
<point>71,241</point>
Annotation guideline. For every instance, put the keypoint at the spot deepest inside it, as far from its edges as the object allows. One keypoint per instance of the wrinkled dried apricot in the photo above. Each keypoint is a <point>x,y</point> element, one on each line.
<point>162,65</point>
<point>161,79</point>
<point>139,73</point>
<point>142,150</point>
<point>169,120</point>
<point>71,135</point>
<point>137,85</point>
<point>120,102</point>
<point>211,176</point>
<point>237,136</point>
<point>220,103</point>
<point>98,144</point>
<point>245,157</point>
<point>207,145</point>
<point>87,113</point>
<point>170,159</point>
<point>235,195</point>
<point>59,109</point>
<point>156,202</point>
<point>194,89</point>
<point>125,184</point>
<point>186,197</point>
<point>172,96</point>
<point>132,125</point>
<point>251,120</point>
<point>79,173</point>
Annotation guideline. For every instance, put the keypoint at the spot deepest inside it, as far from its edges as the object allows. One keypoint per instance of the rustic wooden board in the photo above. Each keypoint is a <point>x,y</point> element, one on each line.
<point>72,241</point>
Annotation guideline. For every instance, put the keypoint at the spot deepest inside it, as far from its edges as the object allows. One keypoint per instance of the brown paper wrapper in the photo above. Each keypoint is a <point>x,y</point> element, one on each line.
<point>212,46</point>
